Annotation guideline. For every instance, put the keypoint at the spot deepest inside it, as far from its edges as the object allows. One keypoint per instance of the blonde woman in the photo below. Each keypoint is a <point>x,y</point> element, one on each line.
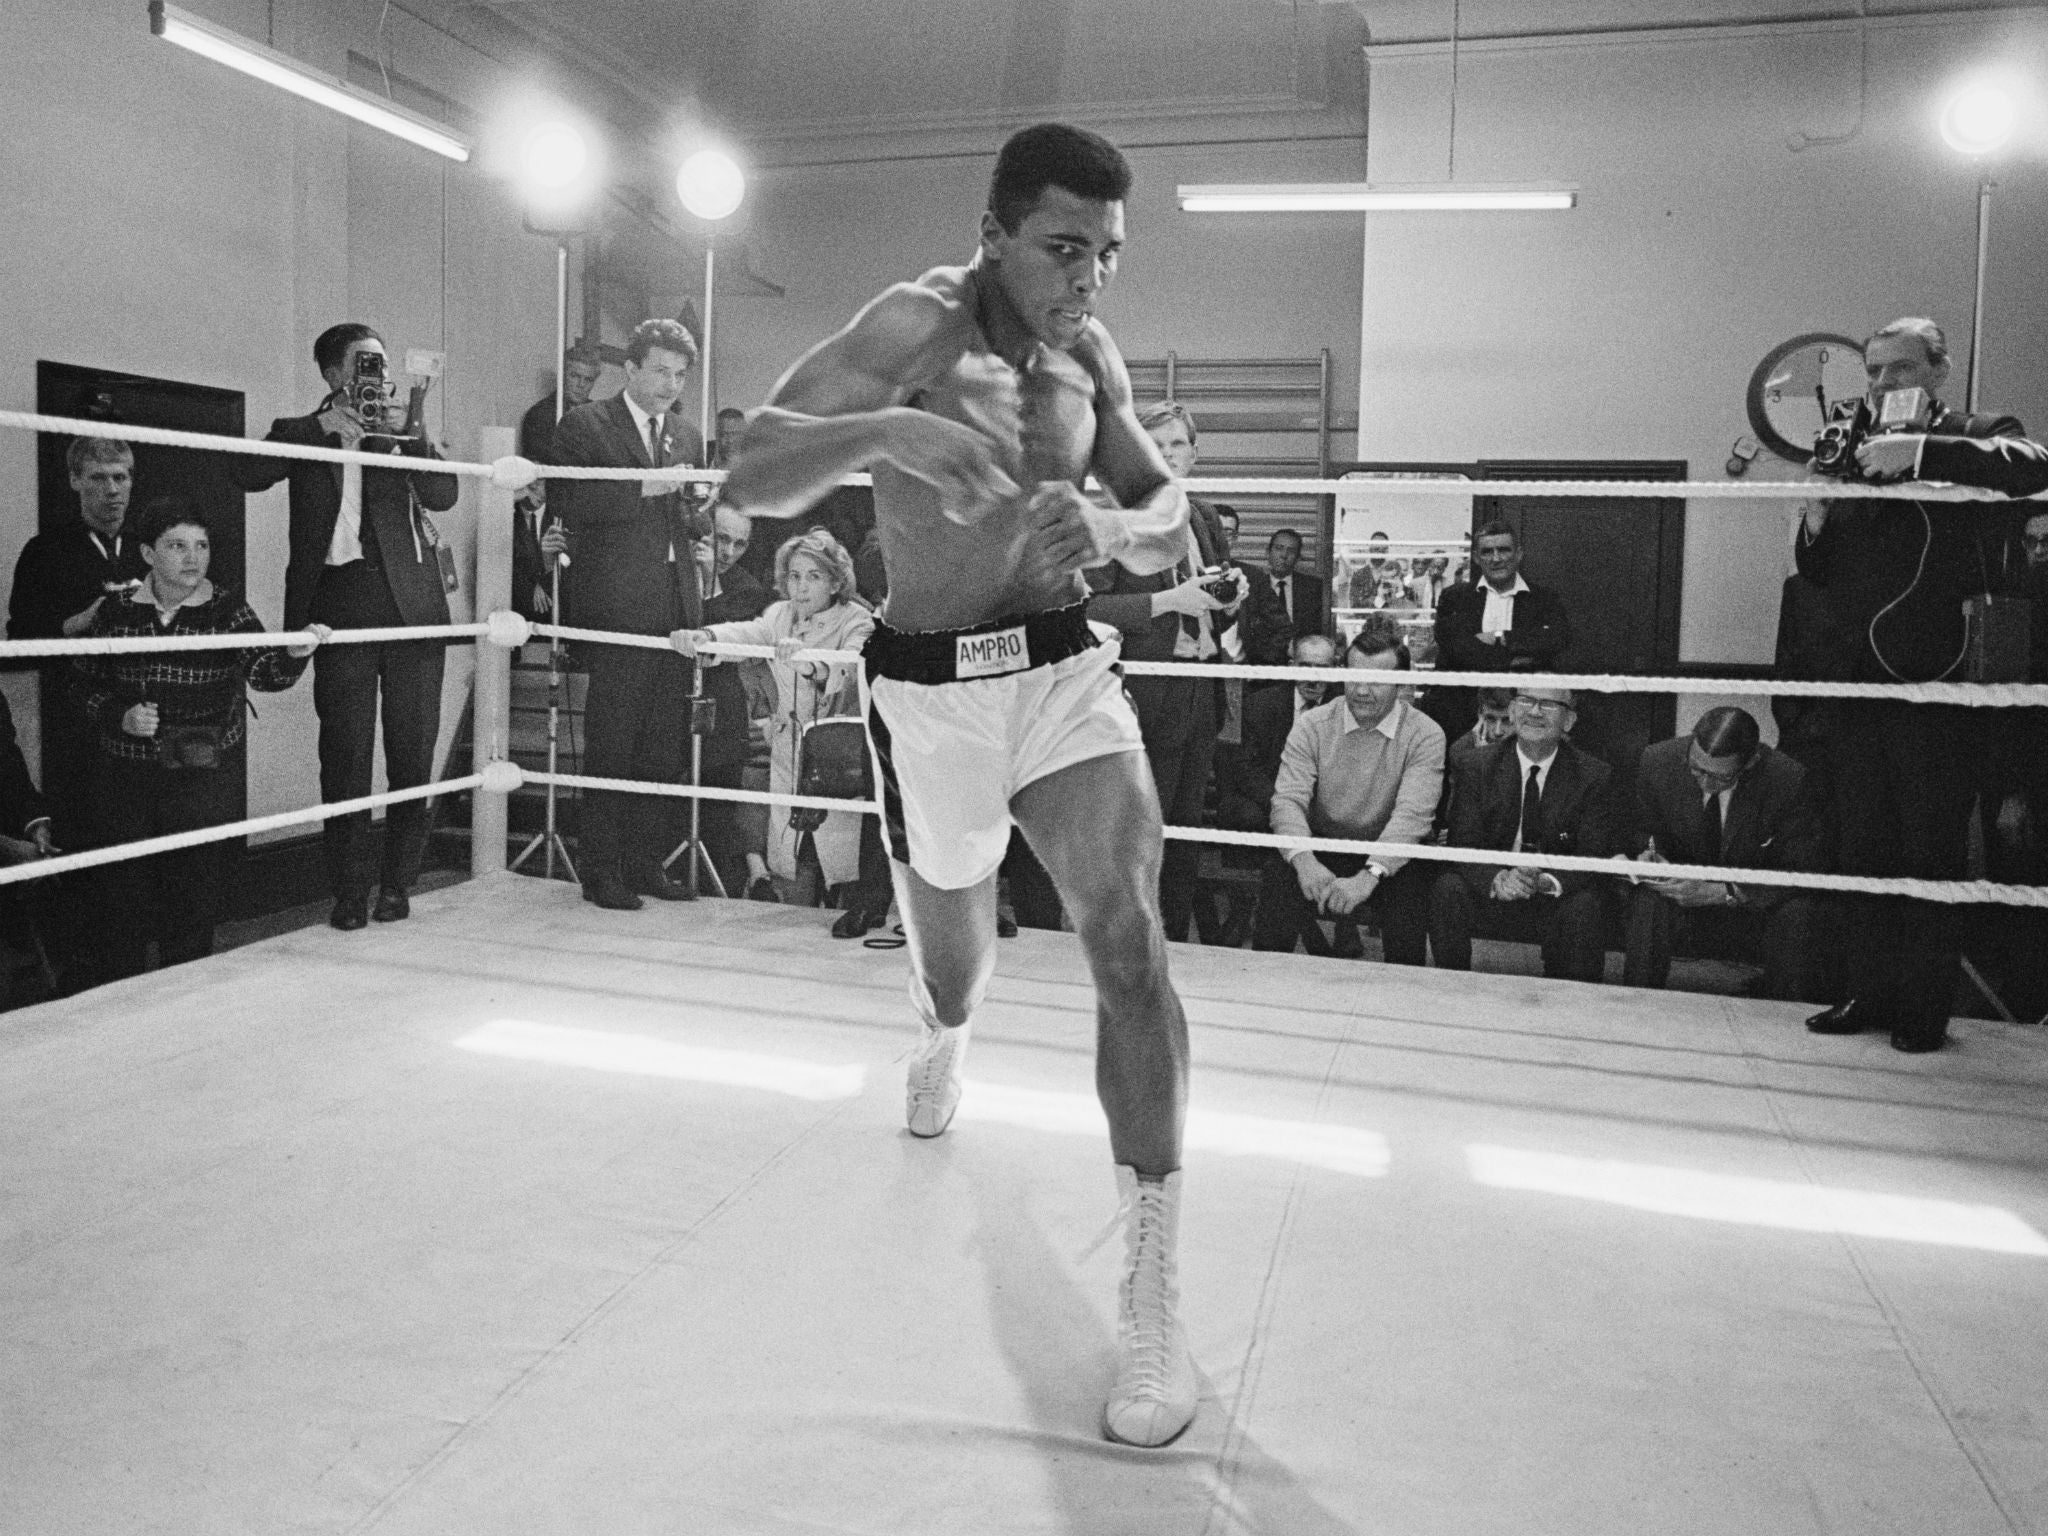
<point>819,610</point>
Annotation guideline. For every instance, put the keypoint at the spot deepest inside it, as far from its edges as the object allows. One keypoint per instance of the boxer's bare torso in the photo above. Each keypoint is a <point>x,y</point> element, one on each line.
<point>979,425</point>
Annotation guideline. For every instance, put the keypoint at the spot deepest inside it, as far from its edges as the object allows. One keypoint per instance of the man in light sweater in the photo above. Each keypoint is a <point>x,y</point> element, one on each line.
<point>1368,766</point>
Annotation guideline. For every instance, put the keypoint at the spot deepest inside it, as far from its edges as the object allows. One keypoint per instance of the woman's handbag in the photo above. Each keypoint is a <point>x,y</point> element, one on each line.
<point>832,764</point>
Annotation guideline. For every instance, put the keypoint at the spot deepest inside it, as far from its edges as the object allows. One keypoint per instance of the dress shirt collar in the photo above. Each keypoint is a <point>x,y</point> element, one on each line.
<point>640,417</point>
<point>1542,769</point>
<point>1389,724</point>
<point>106,553</point>
<point>1519,587</point>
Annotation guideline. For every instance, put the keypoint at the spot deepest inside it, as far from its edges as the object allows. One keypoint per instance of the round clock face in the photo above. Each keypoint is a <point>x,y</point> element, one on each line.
<point>1796,385</point>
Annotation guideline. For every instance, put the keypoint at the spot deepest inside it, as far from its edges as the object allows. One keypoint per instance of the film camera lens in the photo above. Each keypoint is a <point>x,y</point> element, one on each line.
<point>373,396</point>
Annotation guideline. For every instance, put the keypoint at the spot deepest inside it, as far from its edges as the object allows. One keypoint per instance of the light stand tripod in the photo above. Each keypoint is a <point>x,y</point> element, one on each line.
<point>700,861</point>
<point>548,837</point>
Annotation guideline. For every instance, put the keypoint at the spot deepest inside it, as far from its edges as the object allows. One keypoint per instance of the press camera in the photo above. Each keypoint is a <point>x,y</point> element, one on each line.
<point>1852,422</point>
<point>373,396</point>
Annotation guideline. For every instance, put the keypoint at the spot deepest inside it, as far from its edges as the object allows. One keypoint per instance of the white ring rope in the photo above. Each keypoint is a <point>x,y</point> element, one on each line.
<point>256,641</point>
<point>512,472</point>
<point>65,863</point>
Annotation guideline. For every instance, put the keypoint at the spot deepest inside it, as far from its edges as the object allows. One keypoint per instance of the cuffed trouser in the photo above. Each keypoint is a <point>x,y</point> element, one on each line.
<point>1569,927</point>
<point>1782,935</point>
<point>173,897</point>
<point>1401,902</point>
<point>1904,784</point>
<point>635,726</point>
<point>353,686</point>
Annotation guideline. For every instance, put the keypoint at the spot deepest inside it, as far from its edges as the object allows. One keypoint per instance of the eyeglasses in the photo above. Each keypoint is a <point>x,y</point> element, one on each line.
<point>1712,775</point>
<point>1554,706</point>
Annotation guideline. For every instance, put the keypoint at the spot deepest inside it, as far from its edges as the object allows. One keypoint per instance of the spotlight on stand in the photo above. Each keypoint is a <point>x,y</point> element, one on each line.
<point>711,185</point>
<point>551,158</point>
<point>1978,121</point>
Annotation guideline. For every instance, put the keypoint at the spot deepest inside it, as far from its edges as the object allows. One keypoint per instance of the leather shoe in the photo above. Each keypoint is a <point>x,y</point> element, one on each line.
<point>612,895</point>
<point>392,906</point>
<point>1006,926</point>
<point>1915,1041</point>
<point>1850,1018</point>
<point>854,923</point>
<point>656,883</point>
<point>761,888</point>
<point>350,913</point>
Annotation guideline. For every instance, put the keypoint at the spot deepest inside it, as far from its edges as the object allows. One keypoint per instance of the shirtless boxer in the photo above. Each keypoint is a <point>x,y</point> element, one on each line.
<point>980,396</point>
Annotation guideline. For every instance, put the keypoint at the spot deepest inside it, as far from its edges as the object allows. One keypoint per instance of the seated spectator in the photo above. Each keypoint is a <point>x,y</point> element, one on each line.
<point>818,611</point>
<point>1499,623</point>
<point>1535,792</point>
<point>1367,766</point>
<point>1495,724</point>
<point>1720,796</point>
<point>1245,771</point>
<point>171,726</point>
<point>538,543</point>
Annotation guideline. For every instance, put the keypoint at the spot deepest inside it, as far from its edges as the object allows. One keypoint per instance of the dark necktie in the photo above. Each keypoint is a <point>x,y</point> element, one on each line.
<point>1189,624</point>
<point>654,441</point>
<point>1711,851</point>
<point>1287,596</point>
<point>1532,811</point>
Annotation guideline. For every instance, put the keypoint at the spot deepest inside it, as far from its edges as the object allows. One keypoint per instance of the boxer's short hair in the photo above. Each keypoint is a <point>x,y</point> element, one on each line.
<point>96,450</point>
<point>1054,155</point>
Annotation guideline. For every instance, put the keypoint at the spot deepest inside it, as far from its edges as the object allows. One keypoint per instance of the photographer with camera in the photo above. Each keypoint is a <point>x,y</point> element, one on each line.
<point>1177,614</point>
<point>171,725</point>
<point>1898,576</point>
<point>365,555</point>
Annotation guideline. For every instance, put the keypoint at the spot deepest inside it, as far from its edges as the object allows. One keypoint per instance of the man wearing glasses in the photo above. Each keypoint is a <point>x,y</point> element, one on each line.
<point>1533,793</point>
<point>1720,796</point>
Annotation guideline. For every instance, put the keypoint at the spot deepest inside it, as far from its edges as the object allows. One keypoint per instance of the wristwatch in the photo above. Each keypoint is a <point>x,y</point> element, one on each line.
<point>1376,869</point>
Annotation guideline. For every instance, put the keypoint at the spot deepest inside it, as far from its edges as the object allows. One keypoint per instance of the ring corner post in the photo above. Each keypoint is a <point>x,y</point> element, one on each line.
<point>490,822</point>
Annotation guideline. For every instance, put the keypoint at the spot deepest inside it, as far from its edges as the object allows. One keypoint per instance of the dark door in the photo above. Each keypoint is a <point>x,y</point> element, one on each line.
<point>64,389</point>
<point>1617,564</point>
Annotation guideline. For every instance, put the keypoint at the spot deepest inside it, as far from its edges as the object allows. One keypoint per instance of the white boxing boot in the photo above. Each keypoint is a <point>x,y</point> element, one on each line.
<point>933,1090</point>
<point>1154,1396</point>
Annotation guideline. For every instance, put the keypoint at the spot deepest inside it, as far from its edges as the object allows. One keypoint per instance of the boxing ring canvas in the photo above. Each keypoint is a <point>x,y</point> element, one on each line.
<point>523,1217</point>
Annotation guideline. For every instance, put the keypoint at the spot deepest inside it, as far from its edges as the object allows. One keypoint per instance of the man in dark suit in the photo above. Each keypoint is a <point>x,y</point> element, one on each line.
<point>1896,574</point>
<point>732,594</point>
<point>1301,599</point>
<point>1533,793</point>
<point>633,569</point>
<point>1719,796</point>
<point>581,366</point>
<point>362,556</point>
<point>24,813</point>
<point>1499,622</point>
<point>60,580</point>
<point>538,542</point>
<point>1171,616</point>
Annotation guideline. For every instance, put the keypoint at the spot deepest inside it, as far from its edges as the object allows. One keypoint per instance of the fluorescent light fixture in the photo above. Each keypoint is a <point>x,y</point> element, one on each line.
<point>1362,197</point>
<point>224,47</point>
<point>1793,1206</point>
<point>596,1050</point>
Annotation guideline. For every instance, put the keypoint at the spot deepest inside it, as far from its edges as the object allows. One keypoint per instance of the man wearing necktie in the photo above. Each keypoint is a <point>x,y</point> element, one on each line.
<point>1171,616</point>
<point>1532,793</point>
<point>1718,795</point>
<point>633,570</point>
<point>362,557</point>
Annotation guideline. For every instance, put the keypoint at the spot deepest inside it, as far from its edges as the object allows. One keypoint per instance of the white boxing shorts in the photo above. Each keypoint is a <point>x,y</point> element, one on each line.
<point>961,720</point>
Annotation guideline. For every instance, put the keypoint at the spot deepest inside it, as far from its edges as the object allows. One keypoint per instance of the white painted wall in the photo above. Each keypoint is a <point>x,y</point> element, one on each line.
<point>1205,285</point>
<point>1628,328</point>
<point>167,217</point>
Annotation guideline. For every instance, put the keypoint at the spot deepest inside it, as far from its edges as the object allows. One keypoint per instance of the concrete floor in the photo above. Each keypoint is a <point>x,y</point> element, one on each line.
<point>525,1217</point>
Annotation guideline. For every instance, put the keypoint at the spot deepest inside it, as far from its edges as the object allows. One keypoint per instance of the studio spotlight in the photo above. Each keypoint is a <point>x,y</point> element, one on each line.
<point>1979,120</point>
<point>711,184</point>
<point>552,157</point>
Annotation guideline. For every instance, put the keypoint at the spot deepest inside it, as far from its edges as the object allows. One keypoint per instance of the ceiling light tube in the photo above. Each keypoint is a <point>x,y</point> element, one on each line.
<point>1362,197</point>
<point>224,47</point>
